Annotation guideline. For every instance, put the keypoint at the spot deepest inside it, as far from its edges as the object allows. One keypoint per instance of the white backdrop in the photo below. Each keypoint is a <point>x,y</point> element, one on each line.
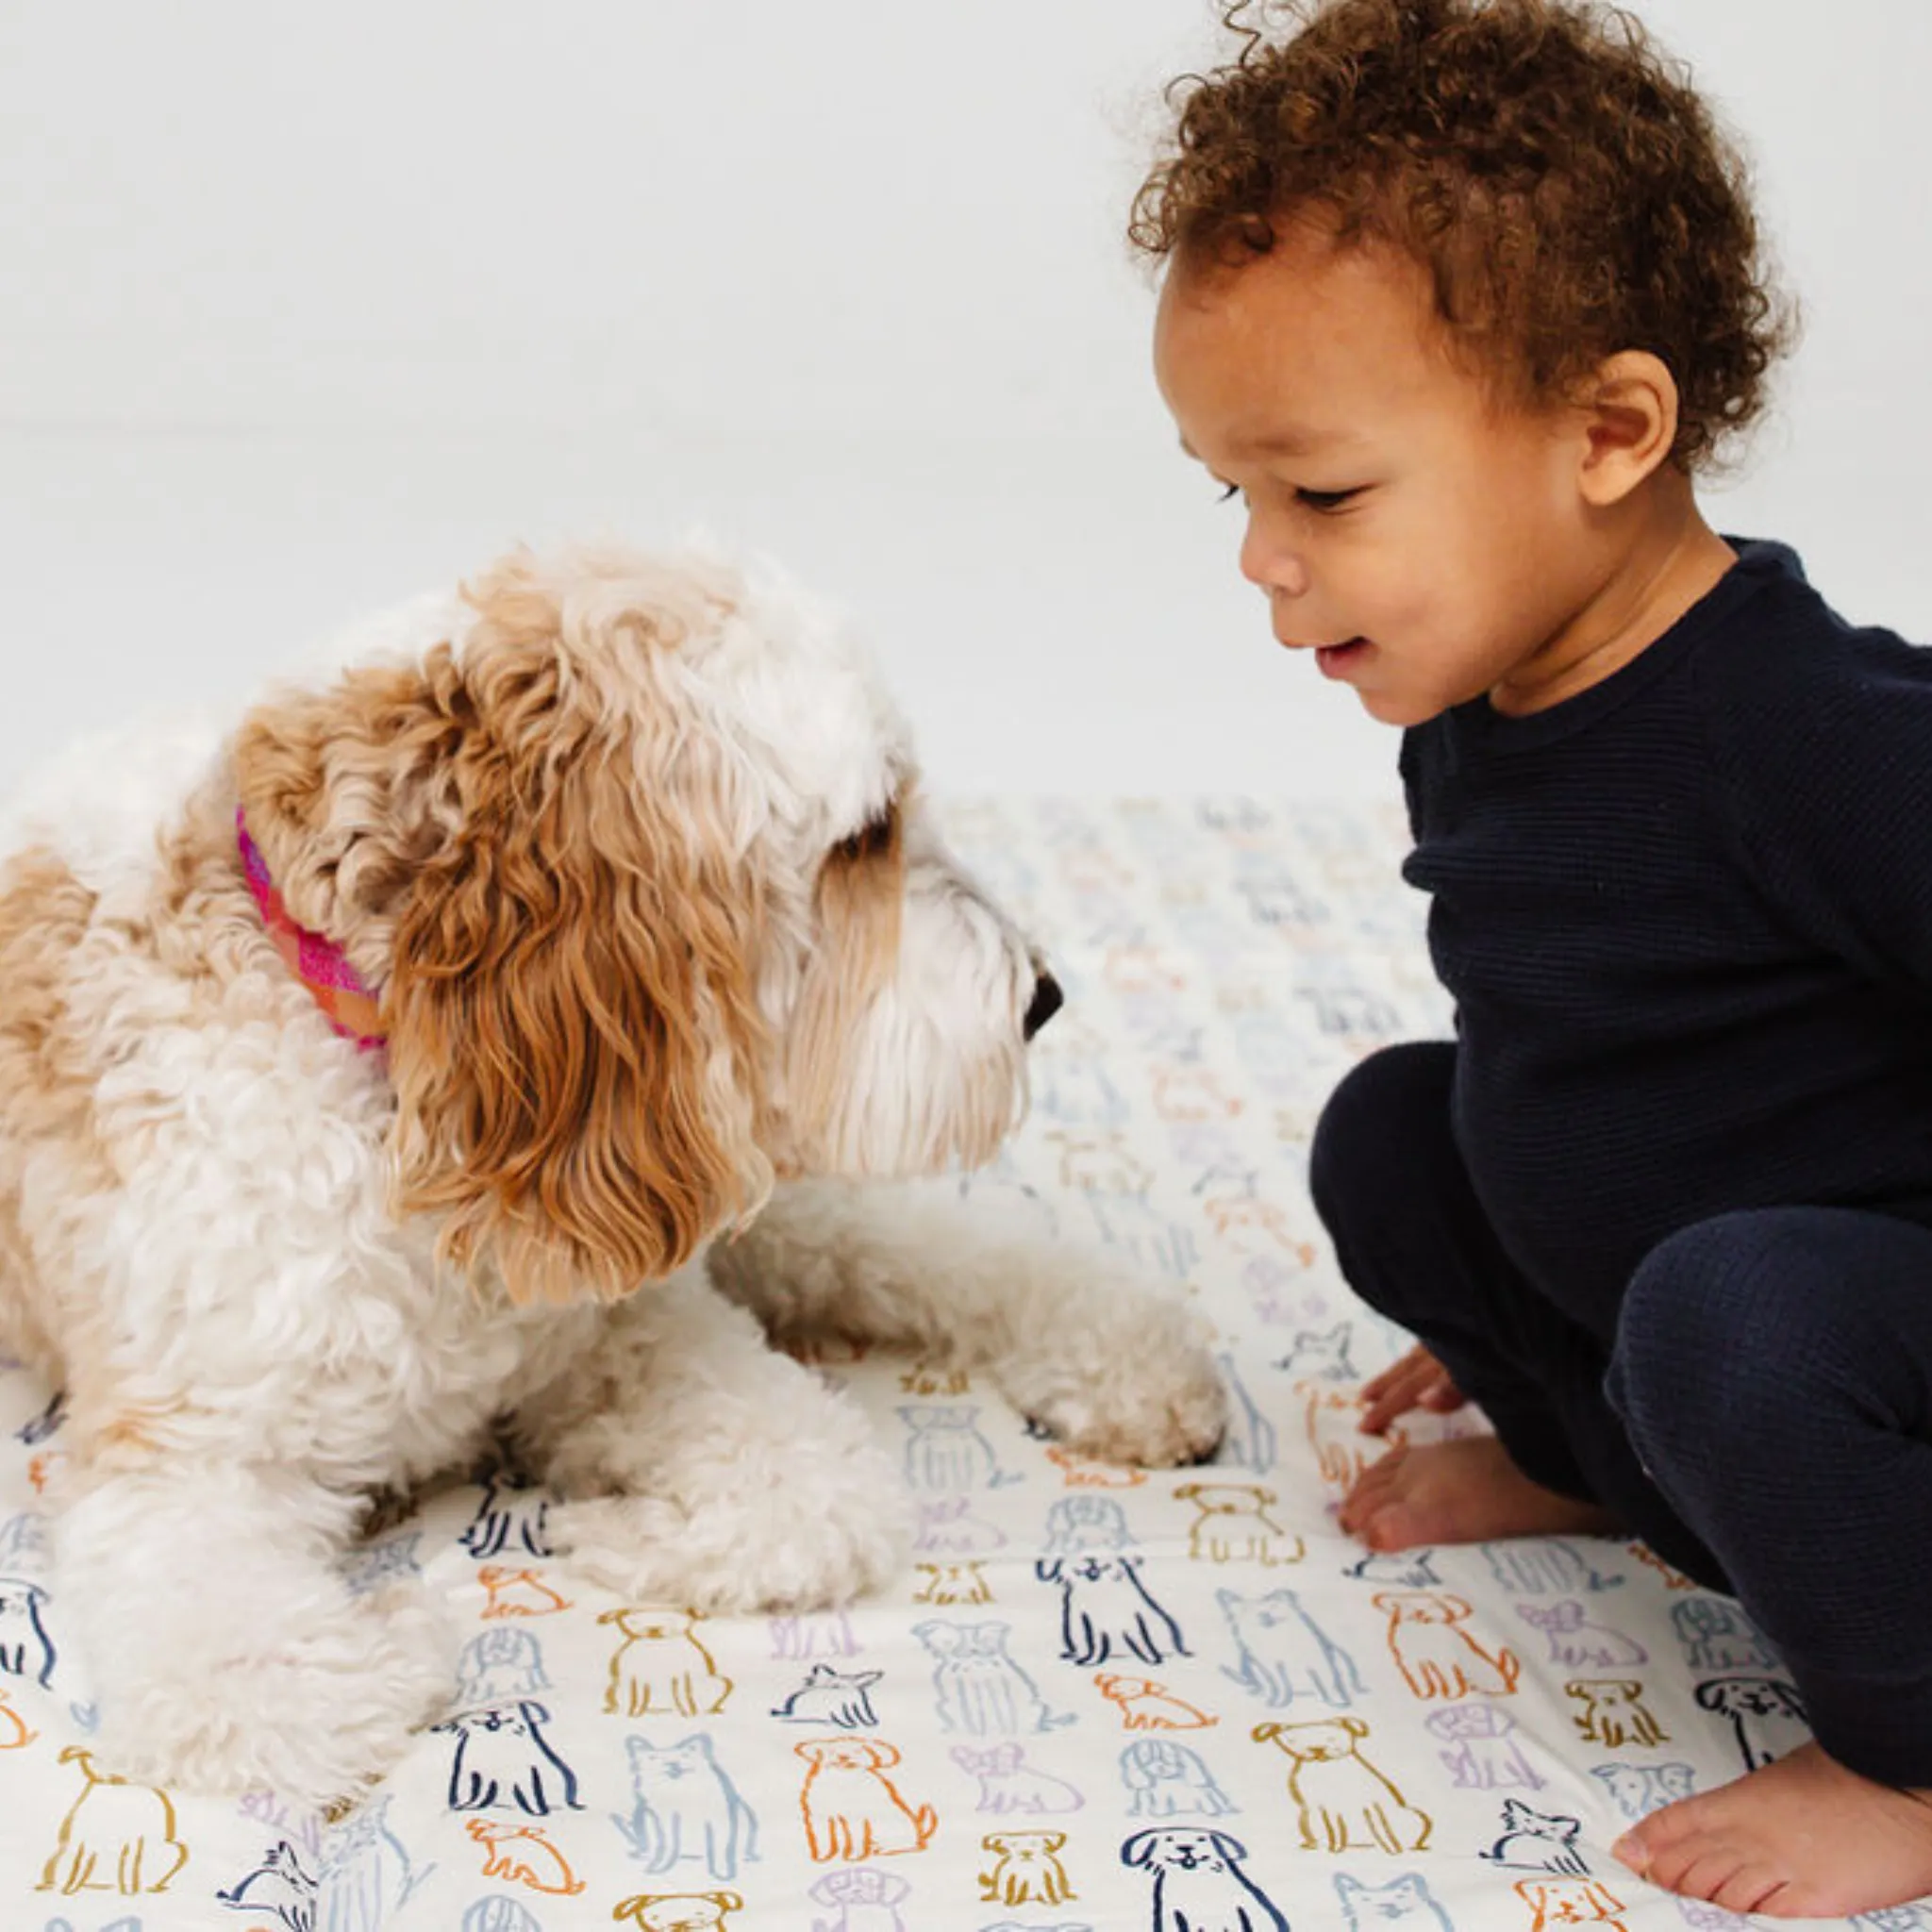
<point>306,308</point>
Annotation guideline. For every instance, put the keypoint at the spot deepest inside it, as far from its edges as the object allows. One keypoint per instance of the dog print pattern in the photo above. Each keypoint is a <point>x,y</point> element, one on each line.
<point>1096,1697</point>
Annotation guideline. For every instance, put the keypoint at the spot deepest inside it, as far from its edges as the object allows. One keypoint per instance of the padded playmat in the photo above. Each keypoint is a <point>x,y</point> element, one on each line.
<point>1099,1700</point>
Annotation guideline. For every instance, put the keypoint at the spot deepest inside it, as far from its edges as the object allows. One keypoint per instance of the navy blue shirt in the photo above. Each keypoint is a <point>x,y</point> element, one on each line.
<point>1686,918</point>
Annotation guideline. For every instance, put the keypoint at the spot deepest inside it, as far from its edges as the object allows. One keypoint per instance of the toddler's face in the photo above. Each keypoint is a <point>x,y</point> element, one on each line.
<point>1426,542</point>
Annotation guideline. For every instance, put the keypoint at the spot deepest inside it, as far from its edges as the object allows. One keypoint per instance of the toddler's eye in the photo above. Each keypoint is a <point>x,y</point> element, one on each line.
<point>1324,499</point>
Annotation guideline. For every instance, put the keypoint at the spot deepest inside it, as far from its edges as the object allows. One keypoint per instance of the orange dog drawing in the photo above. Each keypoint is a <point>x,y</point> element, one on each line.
<point>1437,1656</point>
<point>1342,1451</point>
<point>1344,1800</point>
<point>14,1730</point>
<point>517,1592</point>
<point>498,1863</point>
<point>1556,1902</point>
<point>1146,1706</point>
<point>116,1823</point>
<point>660,1666</point>
<point>852,1809</point>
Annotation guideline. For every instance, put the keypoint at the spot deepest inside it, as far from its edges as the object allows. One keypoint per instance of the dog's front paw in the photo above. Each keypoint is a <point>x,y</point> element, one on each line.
<point>314,1707</point>
<point>1125,1377</point>
<point>768,1519</point>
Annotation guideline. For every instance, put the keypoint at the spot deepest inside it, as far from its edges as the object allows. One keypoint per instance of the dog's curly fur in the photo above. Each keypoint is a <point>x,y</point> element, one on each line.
<point>629,849</point>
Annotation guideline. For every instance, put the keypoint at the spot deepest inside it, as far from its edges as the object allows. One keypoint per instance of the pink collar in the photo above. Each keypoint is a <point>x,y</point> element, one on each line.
<point>319,964</point>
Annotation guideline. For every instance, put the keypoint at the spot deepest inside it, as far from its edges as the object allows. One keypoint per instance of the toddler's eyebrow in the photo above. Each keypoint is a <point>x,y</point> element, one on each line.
<point>1279,443</point>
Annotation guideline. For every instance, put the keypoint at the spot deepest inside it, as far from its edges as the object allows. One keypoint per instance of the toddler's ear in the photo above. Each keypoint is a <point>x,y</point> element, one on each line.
<point>1630,423</point>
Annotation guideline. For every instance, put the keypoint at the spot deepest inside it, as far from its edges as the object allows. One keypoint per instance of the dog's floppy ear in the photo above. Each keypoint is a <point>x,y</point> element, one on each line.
<point>560,944</point>
<point>573,1033</point>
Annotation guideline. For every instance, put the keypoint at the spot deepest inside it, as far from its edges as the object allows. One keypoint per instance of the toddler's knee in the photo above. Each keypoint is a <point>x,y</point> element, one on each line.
<point>1377,1113</point>
<point>1716,1321</point>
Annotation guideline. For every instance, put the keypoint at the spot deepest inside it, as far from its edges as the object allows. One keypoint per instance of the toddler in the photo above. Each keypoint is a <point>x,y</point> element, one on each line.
<point>1459,298</point>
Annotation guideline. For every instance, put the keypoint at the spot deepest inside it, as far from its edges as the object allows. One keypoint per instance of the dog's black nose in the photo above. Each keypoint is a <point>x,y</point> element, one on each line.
<point>1047,1000</point>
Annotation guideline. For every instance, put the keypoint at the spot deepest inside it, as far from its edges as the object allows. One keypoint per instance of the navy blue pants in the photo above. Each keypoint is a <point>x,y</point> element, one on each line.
<point>1763,1420</point>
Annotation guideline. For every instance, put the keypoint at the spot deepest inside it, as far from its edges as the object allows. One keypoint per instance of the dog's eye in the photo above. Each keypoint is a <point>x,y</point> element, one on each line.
<point>871,839</point>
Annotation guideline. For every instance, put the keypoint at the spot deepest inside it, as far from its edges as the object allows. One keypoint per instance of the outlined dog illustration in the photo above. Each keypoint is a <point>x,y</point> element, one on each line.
<point>683,1806</point>
<point>949,1526</point>
<point>1436,1655</point>
<point>661,1666</point>
<point>934,1378</point>
<point>519,1592</point>
<point>113,1827</point>
<point>1403,1905</point>
<point>1076,1525</point>
<point>530,1858</point>
<point>1106,1606</point>
<point>1614,1713</point>
<point>852,1809</point>
<point>864,1898</point>
<point>808,1633</point>
<point>1283,1654</point>
<point>278,1887</point>
<point>26,1649</point>
<point>1086,1472</point>
<point>1569,1902</point>
<point>1404,1568</point>
<point>500,1665</point>
<point>364,1876</point>
<point>1322,1358</point>
<point>1481,1753</point>
<point>1577,1643</point>
<point>1147,1706</point>
<point>1767,1715</point>
<point>1100,1164</point>
<point>1638,1790</point>
<point>1717,1636</point>
<point>1544,1565</point>
<point>1008,1784</point>
<point>978,1688</point>
<point>509,1520</point>
<point>1169,1780</point>
<point>1234,1525</point>
<point>1331,1419</point>
<point>1342,1800</point>
<point>833,1697</point>
<point>1026,1869</point>
<point>1198,1882</point>
<point>499,1912</point>
<point>680,1911</point>
<point>1536,1841</point>
<point>946,1449</point>
<point>503,1761</point>
<point>947,1585</point>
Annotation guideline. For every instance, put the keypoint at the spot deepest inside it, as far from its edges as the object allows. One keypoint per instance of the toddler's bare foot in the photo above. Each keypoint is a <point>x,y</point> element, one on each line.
<point>1464,1492</point>
<point>1800,1839</point>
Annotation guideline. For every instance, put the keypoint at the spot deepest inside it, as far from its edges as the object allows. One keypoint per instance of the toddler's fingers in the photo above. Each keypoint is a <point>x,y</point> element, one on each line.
<point>1394,1372</point>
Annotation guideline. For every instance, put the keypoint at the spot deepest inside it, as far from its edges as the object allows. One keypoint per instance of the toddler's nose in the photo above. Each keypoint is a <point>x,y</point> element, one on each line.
<point>1047,1000</point>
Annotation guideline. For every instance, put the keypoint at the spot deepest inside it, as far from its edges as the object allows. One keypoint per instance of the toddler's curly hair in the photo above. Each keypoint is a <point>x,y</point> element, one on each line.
<point>1567,191</point>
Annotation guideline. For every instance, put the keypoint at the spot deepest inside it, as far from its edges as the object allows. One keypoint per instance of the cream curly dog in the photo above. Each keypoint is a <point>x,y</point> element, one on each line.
<point>387,1064</point>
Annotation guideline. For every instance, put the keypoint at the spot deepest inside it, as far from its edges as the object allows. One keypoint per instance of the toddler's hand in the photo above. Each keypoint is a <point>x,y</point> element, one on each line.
<point>1417,1381</point>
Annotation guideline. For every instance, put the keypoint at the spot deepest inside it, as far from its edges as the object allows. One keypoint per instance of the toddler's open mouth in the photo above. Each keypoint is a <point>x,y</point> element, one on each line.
<point>1335,659</point>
